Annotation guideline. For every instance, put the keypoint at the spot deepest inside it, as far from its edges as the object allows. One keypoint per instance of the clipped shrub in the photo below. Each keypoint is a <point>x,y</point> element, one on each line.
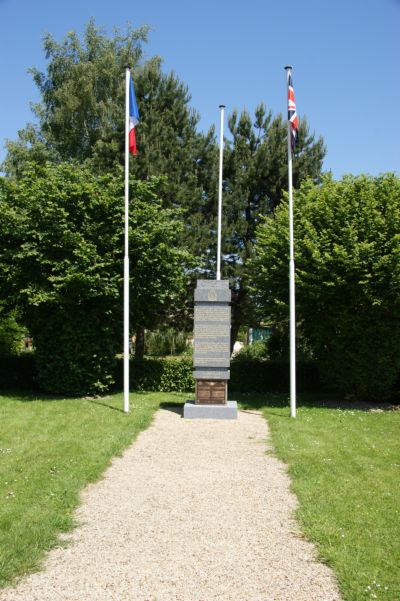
<point>158,375</point>
<point>347,279</point>
<point>71,357</point>
<point>18,372</point>
<point>255,375</point>
<point>175,375</point>
<point>61,267</point>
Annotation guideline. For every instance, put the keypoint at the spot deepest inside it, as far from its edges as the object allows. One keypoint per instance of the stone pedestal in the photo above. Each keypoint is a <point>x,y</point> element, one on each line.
<point>211,358</point>
<point>226,411</point>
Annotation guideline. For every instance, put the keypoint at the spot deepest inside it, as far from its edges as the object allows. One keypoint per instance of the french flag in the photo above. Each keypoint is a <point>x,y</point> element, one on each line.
<point>133,118</point>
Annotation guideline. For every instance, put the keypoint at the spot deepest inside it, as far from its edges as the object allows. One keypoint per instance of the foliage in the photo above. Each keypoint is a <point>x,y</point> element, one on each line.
<point>164,375</point>
<point>18,372</point>
<point>344,466</point>
<point>61,266</point>
<point>80,116</point>
<point>255,173</point>
<point>166,342</point>
<point>81,111</point>
<point>256,350</point>
<point>50,450</point>
<point>11,333</point>
<point>174,374</point>
<point>258,375</point>
<point>347,248</point>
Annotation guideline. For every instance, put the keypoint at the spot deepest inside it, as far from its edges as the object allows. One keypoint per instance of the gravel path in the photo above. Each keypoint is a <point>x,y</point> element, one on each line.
<point>193,511</point>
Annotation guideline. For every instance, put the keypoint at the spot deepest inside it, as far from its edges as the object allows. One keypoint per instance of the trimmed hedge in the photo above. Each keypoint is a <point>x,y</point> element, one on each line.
<point>158,375</point>
<point>259,375</point>
<point>18,372</point>
<point>175,375</point>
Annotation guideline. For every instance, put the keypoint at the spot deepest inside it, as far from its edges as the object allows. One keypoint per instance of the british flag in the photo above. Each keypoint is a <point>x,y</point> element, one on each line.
<point>292,115</point>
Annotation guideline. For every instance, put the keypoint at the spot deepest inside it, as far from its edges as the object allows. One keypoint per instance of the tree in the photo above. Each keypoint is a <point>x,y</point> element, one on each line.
<point>82,110</point>
<point>11,332</point>
<point>61,267</point>
<point>347,249</point>
<point>255,175</point>
<point>80,117</point>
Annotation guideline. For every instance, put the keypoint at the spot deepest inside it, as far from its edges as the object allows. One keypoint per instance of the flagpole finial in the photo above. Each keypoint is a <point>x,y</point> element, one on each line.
<point>288,67</point>
<point>127,67</point>
<point>221,106</point>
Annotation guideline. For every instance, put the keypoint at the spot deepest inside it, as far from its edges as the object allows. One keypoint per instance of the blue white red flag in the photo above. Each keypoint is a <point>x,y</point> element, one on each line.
<point>133,118</point>
<point>292,115</point>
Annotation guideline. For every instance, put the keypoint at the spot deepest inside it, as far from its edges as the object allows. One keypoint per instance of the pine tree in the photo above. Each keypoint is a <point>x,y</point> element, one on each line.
<point>255,177</point>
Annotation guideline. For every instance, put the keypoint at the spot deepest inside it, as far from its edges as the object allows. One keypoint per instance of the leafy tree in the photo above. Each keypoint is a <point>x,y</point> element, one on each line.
<point>255,174</point>
<point>61,266</point>
<point>82,110</point>
<point>11,332</point>
<point>347,249</point>
<point>81,117</point>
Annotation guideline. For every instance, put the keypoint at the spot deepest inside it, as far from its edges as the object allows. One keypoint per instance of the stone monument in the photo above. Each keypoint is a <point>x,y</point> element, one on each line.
<point>211,360</point>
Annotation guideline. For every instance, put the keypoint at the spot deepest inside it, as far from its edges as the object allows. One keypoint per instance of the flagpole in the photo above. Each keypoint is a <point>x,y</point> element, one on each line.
<point>292,310</point>
<point>126,256</point>
<point>221,155</point>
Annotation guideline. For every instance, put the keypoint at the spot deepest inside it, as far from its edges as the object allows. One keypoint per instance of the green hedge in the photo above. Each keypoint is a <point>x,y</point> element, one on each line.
<point>175,375</point>
<point>18,372</point>
<point>259,375</point>
<point>166,375</point>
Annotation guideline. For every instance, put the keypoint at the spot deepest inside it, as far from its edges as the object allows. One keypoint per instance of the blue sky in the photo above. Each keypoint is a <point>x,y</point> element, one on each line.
<point>344,54</point>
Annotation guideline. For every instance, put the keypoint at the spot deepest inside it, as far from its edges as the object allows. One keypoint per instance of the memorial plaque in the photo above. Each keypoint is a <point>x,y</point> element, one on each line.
<point>212,329</point>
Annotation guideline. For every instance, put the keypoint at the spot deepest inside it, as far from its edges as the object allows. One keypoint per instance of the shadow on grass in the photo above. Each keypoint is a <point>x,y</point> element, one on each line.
<point>246,400</point>
<point>25,396</point>
<point>256,401</point>
<point>105,405</point>
<point>318,400</point>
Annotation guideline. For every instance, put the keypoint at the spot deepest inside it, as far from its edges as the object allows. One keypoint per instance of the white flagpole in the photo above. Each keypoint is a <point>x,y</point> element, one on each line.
<point>126,256</point>
<point>292,311</point>
<point>221,155</point>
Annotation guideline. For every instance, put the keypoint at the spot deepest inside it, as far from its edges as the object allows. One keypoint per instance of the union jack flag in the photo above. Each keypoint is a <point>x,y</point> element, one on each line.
<point>292,115</point>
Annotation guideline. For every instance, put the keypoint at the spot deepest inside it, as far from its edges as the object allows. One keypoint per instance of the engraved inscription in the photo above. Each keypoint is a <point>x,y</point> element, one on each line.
<point>202,330</point>
<point>208,361</point>
<point>211,374</point>
<point>212,313</point>
<point>212,347</point>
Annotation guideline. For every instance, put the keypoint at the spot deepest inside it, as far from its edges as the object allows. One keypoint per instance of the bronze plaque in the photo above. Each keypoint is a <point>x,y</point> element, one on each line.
<point>211,392</point>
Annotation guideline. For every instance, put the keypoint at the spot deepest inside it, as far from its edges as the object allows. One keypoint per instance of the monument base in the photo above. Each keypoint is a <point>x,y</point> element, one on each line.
<point>226,411</point>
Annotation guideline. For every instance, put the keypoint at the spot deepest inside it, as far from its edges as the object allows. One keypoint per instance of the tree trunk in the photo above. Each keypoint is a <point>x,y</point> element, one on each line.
<point>139,345</point>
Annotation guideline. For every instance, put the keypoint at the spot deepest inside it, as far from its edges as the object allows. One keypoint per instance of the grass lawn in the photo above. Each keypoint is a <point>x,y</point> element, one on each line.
<point>345,468</point>
<point>344,465</point>
<point>49,450</point>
